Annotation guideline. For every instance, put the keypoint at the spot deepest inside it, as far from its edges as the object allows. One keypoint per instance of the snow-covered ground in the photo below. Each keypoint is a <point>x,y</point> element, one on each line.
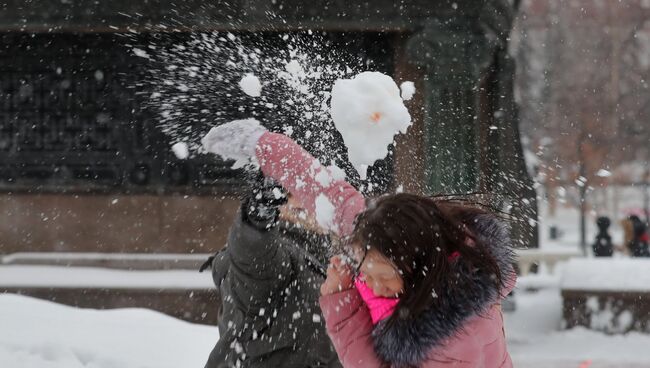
<point>42,334</point>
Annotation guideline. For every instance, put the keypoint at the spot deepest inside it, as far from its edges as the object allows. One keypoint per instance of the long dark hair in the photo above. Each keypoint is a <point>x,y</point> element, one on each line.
<point>420,235</point>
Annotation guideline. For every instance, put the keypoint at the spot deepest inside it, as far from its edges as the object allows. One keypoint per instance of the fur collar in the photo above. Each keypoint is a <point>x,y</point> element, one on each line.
<point>407,342</point>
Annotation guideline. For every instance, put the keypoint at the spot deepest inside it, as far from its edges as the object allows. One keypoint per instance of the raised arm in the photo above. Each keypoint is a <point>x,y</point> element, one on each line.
<point>313,184</point>
<point>333,201</point>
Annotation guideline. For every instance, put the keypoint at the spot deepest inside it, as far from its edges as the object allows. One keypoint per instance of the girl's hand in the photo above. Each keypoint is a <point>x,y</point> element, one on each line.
<point>339,277</point>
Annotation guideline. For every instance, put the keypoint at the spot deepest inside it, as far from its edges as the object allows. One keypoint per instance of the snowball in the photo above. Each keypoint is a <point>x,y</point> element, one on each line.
<point>251,85</point>
<point>180,150</point>
<point>141,53</point>
<point>324,211</point>
<point>603,173</point>
<point>368,111</point>
<point>408,90</point>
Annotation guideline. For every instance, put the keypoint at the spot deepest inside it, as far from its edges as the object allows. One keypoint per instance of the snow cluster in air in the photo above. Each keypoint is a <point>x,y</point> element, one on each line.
<point>324,212</point>
<point>251,85</point>
<point>140,53</point>
<point>368,112</point>
<point>209,78</point>
<point>180,150</point>
<point>408,90</point>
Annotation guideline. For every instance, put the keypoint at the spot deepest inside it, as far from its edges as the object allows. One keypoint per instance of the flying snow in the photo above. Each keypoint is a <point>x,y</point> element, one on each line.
<point>251,85</point>
<point>324,212</point>
<point>180,150</point>
<point>368,112</point>
<point>408,90</point>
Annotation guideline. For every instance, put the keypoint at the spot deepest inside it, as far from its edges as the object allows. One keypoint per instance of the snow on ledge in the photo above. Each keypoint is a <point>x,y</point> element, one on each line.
<point>89,277</point>
<point>26,256</point>
<point>607,274</point>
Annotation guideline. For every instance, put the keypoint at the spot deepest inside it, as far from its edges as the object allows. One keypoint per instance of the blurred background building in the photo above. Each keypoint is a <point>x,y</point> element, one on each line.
<point>86,168</point>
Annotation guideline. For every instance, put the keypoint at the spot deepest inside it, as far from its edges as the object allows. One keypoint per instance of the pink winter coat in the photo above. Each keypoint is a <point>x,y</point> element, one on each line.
<point>466,331</point>
<point>480,342</point>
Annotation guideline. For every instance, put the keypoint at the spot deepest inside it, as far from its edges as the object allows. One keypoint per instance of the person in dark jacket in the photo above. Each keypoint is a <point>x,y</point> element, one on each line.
<point>638,245</point>
<point>269,277</point>
<point>603,246</point>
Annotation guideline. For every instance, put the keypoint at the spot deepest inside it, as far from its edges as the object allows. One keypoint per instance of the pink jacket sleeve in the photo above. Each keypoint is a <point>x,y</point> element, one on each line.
<point>304,177</point>
<point>349,326</point>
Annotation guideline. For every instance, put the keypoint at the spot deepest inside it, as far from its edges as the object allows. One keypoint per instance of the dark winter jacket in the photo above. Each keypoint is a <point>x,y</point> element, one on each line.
<point>639,244</point>
<point>269,284</point>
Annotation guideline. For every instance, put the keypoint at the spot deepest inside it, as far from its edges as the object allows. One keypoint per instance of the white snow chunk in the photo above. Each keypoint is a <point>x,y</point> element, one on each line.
<point>367,110</point>
<point>326,175</point>
<point>277,194</point>
<point>408,90</point>
<point>324,212</point>
<point>288,131</point>
<point>604,173</point>
<point>180,150</point>
<point>336,172</point>
<point>323,177</point>
<point>294,68</point>
<point>251,85</point>
<point>141,53</point>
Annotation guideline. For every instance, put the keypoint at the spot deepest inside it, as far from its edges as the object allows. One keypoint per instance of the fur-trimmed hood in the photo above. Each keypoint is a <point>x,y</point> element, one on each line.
<point>407,342</point>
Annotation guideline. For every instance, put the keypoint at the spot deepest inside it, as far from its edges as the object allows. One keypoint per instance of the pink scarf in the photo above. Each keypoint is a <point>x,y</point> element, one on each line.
<point>379,306</point>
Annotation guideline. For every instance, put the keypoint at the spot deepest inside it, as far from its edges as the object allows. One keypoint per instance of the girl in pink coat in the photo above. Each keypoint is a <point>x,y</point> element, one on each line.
<point>423,284</point>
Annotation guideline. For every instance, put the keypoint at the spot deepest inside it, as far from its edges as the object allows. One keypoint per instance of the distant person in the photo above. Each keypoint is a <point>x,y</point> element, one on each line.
<point>603,246</point>
<point>268,277</point>
<point>638,244</point>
